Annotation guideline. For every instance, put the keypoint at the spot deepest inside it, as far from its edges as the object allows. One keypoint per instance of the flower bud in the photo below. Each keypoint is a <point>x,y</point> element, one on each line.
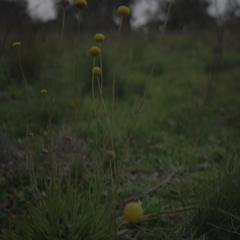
<point>123,10</point>
<point>94,51</point>
<point>64,3</point>
<point>16,44</point>
<point>97,71</point>
<point>80,4</point>
<point>99,37</point>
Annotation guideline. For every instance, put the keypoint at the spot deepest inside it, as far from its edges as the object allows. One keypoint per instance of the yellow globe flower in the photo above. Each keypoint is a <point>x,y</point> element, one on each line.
<point>16,44</point>
<point>123,10</point>
<point>31,135</point>
<point>99,37</point>
<point>43,91</point>
<point>97,71</point>
<point>133,212</point>
<point>64,3</point>
<point>80,4</point>
<point>94,51</point>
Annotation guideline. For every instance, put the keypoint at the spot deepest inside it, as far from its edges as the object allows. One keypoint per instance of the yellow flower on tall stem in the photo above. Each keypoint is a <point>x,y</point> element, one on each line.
<point>17,44</point>
<point>123,10</point>
<point>94,51</point>
<point>99,37</point>
<point>80,4</point>
<point>64,3</point>
<point>97,71</point>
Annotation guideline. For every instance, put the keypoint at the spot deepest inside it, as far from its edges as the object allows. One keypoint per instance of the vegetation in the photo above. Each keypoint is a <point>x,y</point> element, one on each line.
<point>72,158</point>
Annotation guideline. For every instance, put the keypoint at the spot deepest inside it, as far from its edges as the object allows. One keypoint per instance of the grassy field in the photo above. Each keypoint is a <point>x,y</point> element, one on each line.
<point>182,161</point>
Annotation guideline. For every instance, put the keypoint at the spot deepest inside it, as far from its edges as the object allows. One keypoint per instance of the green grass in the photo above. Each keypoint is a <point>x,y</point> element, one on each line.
<point>177,136</point>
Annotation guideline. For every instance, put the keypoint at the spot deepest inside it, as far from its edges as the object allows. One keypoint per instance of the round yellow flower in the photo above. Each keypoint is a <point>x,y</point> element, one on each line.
<point>133,212</point>
<point>64,3</point>
<point>43,91</point>
<point>80,4</point>
<point>99,37</point>
<point>97,71</point>
<point>123,10</point>
<point>16,44</point>
<point>94,51</point>
<point>31,135</point>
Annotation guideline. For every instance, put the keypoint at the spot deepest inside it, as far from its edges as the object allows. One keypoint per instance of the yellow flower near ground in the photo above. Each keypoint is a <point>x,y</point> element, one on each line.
<point>123,10</point>
<point>133,212</point>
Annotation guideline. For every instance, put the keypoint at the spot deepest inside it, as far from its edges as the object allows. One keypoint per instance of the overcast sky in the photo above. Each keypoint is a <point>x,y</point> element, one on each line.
<point>43,9</point>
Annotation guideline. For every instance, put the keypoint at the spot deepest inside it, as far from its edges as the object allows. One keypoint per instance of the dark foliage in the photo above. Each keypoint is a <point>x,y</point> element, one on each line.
<point>188,14</point>
<point>232,15</point>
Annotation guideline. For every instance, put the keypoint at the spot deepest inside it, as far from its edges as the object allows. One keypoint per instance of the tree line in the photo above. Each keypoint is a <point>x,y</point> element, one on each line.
<point>101,15</point>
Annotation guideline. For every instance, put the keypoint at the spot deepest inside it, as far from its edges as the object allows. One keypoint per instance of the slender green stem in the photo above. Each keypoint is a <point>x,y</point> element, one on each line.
<point>26,105</point>
<point>94,109</point>
<point>101,66</point>
<point>120,26</point>
<point>75,75</point>
<point>51,102</point>
<point>114,72</point>
<point>55,71</point>
<point>105,110</point>
<point>46,106</point>
<point>103,134</point>
<point>112,168</point>
<point>149,79</point>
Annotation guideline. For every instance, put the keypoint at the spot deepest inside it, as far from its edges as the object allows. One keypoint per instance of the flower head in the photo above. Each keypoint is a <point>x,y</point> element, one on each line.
<point>44,151</point>
<point>133,212</point>
<point>16,44</point>
<point>94,51</point>
<point>99,37</point>
<point>64,3</point>
<point>123,10</point>
<point>31,135</point>
<point>97,71</point>
<point>68,138</point>
<point>43,91</point>
<point>80,3</point>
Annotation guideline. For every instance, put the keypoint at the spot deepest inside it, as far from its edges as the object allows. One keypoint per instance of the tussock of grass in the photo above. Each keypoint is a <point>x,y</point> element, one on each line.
<point>67,213</point>
<point>219,205</point>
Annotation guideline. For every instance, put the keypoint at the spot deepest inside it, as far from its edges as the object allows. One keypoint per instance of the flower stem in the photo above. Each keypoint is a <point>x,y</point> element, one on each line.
<point>149,79</point>
<point>26,106</point>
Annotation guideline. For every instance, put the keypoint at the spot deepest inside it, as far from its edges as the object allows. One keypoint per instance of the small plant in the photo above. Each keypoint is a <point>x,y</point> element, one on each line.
<point>30,60</point>
<point>66,213</point>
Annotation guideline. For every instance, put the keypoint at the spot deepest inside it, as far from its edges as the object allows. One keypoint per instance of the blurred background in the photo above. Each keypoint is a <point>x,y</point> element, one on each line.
<point>204,34</point>
<point>146,15</point>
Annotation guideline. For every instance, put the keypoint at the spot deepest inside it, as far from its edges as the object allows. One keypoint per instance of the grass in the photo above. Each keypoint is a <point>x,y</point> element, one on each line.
<point>187,149</point>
